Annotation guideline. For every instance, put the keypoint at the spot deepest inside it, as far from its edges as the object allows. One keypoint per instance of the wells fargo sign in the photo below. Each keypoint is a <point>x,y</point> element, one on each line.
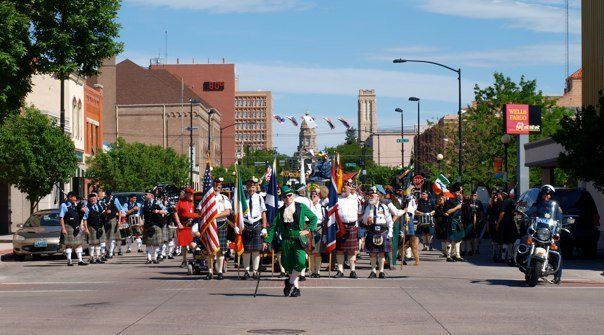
<point>521,119</point>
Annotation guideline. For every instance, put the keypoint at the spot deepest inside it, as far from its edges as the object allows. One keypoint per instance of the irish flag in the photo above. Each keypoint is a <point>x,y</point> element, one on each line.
<point>241,209</point>
<point>440,186</point>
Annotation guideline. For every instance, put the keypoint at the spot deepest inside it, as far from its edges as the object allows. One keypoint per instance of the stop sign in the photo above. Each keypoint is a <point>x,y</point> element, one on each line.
<point>418,181</point>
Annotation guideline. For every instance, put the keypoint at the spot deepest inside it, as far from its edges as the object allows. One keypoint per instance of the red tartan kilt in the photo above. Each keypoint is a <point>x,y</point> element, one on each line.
<point>185,236</point>
<point>350,242</point>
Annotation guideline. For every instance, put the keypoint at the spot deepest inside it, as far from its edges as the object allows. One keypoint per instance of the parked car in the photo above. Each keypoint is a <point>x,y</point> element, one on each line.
<point>580,217</point>
<point>39,235</point>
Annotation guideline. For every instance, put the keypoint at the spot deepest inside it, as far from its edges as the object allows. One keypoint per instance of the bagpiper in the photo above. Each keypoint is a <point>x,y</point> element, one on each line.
<point>379,226</point>
<point>111,214</point>
<point>153,215</point>
<point>348,242</point>
<point>291,222</point>
<point>72,228</point>
<point>455,231</point>
<point>254,230</point>
<point>96,231</point>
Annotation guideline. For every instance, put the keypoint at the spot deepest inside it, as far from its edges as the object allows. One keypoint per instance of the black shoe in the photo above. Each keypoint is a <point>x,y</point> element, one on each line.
<point>404,262</point>
<point>100,261</point>
<point>288,288</point>
<point>91,261</point>
<point>295,292</point>
<point>458,259</point>
<point>382,275</point>
<point>110,257</point>
<point>119,253</point>
<point>148,262</point>
<point>463,253</point>
<point>170,257</point>
<point>353,275</point>
<point>82,263</point>
<point>103,258</point>
<point>128,251</point>
<point>557,280</point>
<point>220,276</point>
<point>69,263</point>
<point>339,275</point>
<point>156,262</point>
<point>281,275</point>
<point>449,259</point>
<point>470,253</point>
<point>246,276</point>
<point>302,278</point>
<point>209,276</point>
<point>139,250</point>
<point>183,265</point>
<point>372,275</point>
<point>255,275</point>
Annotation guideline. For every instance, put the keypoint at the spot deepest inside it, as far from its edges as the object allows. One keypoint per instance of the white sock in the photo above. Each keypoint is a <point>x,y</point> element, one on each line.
<point>246,261</point>
<point>340,260</point>
<point>111,247</point>
<point>91,251</point>
<point>68,252</point>
<point>139,243</point>
<point>219,263</point>
<point>163,249</point>
<point>448,249</point>
<point>317,264</point>
<point>129,243</point>
<point>256,255</point>
<point>294,278</point>
<point>79,253</point>
<point>353,262</point>
<point>171,247</point>
<point>457,247</point>
<point>149,248</point>
<point>278,256</point>
<point>372,261</point>
<point>103,248</point>
<point>381,261</point>
<point>155,253</point>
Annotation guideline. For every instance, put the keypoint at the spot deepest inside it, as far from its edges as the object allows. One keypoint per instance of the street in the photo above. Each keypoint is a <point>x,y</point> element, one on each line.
<point>126,296</point>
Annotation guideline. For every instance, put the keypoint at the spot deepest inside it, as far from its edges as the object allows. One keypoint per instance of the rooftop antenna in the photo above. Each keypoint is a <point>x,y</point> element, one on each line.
<point>166,50</point>
<point>567,59</point>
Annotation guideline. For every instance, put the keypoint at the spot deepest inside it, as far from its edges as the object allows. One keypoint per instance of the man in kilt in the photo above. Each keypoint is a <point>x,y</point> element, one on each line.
<point>223,208</point>
<point>254,230</point>
<point>153,214</point>
<point>455,229</point>
<point>348,242</point>
<point>95,229</point>
<point>378,223</point>
<point>168,230</point>
<point>111,217</point>
<point>133,212</point>
<point>471,214</point>
<point>320,212</point>
<point>72,229</point>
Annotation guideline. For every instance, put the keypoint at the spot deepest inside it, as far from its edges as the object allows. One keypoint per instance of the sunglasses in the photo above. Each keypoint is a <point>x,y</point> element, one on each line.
<point>289,195</point>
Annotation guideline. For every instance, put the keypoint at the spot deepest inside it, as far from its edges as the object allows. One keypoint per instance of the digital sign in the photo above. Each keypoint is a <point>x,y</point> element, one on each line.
<point>213,86</point>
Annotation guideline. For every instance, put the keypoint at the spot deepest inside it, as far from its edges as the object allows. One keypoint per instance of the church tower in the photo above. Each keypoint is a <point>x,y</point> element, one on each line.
<point>367,114</point>
<point>307,143</point>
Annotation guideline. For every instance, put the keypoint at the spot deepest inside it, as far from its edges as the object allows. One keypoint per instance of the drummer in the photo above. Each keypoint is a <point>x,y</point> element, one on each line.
<point>379,225</point>
<point>133,212</point>
<point>425,228</point>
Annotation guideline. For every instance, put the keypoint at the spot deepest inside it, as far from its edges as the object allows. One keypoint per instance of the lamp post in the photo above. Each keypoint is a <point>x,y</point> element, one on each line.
<point>398,110</point>
<point>192,101</point>
<point>210,112</point>
<point>419,145</point>
<point>458,71</point>
<point>439,159</point>
<point>506,139</point>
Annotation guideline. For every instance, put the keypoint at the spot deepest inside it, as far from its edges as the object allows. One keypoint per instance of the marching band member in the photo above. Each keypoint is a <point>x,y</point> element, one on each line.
<point>472,212</point>
<point>378,222</point>
<point>153,214</point>
<point>96,231</point>
<point>111,215</point>
<point>255,229</point>
<point>425,229</point>
<point>72,229</point>
<point>455,232</point>
<point>132,212</point>
<point>348,244</point>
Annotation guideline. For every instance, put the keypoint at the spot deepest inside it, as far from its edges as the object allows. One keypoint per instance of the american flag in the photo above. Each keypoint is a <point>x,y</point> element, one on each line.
<point>209,210</point>
<point>269,172</point>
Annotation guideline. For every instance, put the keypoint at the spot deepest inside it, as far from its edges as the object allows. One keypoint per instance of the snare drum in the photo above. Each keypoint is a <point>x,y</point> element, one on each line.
<point>135,224</point>
<point>425,220</point>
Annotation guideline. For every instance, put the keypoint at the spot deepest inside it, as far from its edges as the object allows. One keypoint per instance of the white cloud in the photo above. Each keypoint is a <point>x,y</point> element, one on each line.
<point>540,15</point>
<point>228,6</point>
<point>347,81</point>
<point>523,55</point>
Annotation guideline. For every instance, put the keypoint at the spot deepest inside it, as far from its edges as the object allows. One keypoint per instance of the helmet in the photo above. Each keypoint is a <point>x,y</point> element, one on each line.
<point>547,189</point>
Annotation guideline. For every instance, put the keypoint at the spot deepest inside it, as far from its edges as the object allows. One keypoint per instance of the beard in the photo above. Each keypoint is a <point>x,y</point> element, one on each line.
<point>373,201</point>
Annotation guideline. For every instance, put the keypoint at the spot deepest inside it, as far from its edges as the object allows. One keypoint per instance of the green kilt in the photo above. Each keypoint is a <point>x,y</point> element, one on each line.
<point>222,236</point>
<point>252,237</point>
<point>153,236</point>
<point>71,240</point>
<point>455,231</point>
<point>96,236</point>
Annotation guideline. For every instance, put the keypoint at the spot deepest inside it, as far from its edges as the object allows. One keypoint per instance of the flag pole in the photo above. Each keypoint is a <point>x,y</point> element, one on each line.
<point>329,269</point>
<point>272,263</point>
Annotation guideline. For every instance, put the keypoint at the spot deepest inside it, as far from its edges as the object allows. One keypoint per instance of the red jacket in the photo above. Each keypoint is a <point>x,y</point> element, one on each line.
<point>186,210</point>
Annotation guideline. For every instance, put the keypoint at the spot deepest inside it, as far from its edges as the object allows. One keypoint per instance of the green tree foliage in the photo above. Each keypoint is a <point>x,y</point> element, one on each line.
<point>352,153</point>
<point>351,135</point>
<point>136,167</point>
<point>35,154</point>
<point>482,127</point>
<point>583,142</point>
<point>15,59</point>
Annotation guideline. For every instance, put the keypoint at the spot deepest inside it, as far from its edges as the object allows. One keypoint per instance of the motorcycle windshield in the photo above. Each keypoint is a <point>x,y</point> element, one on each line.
<point>548,211</point>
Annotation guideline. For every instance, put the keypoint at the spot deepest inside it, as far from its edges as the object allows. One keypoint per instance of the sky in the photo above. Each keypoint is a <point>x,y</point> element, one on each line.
<point>315,55</point>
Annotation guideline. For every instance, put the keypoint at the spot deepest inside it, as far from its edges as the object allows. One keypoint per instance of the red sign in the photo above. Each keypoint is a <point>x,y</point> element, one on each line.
<point>213,86</point>
<point>418,181</point>
<point>517,119</point>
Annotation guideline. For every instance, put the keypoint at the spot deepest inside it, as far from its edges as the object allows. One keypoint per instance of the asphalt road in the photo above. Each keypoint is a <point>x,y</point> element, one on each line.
<point>126,296</point>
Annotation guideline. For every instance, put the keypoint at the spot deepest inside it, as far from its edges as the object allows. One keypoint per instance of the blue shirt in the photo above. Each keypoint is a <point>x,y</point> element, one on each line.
<point>64,207</point>
<point>136,204</point>
<point>95,207</point>
<point>116,202</point>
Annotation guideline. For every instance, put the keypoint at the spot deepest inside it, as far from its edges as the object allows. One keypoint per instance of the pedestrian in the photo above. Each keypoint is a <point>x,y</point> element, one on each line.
<point>72,229</point>
<point>440,225</point>
<point>379,225</point>
<point>471,217</point>
<point>455,230</point>
<point>425,226</point>
<point>291,221</point>
<point>223,210</point>
<point>347,242</point>
<point>95,229</point>
<point>411,246</point>
<point>153,215</point>
<point>493,210</point>
<point>506,229</point>
<point>111,216</point>
<point>254,230</point>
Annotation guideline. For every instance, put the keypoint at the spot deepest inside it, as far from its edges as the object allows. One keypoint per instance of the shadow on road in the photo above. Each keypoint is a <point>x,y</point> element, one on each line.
<point>500,282</point>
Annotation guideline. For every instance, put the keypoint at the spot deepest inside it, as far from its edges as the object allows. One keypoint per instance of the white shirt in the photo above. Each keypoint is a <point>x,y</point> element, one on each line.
<point>257,206</point>
<point>302,200</point>
<point>348,209</point>
<point>317,210</point>
<point>195,228</point>
<point>382,216</point>
<point>223,204</point>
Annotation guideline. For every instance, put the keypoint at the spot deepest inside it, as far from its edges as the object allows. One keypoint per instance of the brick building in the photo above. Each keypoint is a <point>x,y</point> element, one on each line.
<point>152,107</point>
<point>573,91</point>
<point>93,121</point>
<point>253,120</point>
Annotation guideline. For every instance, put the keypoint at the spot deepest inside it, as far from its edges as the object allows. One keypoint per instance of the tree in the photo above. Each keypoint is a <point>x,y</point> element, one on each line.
<point>582,139</point>
<point>482,126</point>
<point>136,167</point>
<point>352,153</point>
<point>351,135</point>
<point>15,60</point>
<point>35,154</point>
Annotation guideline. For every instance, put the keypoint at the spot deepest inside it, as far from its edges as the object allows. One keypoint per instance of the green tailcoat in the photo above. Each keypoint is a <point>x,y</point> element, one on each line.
<point>293,256</point>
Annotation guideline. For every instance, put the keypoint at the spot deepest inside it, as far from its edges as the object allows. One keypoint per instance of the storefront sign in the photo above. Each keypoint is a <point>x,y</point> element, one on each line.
<point>521,119</point>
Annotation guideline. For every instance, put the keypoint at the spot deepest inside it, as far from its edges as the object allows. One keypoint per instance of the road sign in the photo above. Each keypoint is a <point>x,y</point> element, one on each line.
<point>281,162</point>
<point>350,164</point>
<point>402,140</point>
<point>259,163</point>
<point>418,181</point>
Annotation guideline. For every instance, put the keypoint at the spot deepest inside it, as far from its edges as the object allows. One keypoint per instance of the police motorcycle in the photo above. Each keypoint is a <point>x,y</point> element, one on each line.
<point>539,256</point>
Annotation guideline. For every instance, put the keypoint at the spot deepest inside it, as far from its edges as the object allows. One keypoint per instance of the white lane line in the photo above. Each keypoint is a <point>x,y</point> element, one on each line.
<point>59,283</point>
<point>46,291</point>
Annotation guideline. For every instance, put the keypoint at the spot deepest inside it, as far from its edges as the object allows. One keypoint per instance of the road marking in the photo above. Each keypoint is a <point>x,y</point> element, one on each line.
<point>46,291</point>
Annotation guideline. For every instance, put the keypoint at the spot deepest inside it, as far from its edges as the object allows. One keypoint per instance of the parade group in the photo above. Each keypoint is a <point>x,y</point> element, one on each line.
<point>388,223</point>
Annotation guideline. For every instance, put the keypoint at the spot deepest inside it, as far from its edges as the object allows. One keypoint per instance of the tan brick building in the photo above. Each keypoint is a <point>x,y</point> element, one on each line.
<point>253,120</point>
<point>152,107</point>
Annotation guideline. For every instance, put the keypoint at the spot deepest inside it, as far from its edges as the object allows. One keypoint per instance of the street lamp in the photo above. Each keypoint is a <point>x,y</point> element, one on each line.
<point>398,110</point>
<point>419,146</point>
<point>439,159</point>
<point>506,139</point>
<point>458,71</point>
<point>210,112</point>
<point>192,101</point>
